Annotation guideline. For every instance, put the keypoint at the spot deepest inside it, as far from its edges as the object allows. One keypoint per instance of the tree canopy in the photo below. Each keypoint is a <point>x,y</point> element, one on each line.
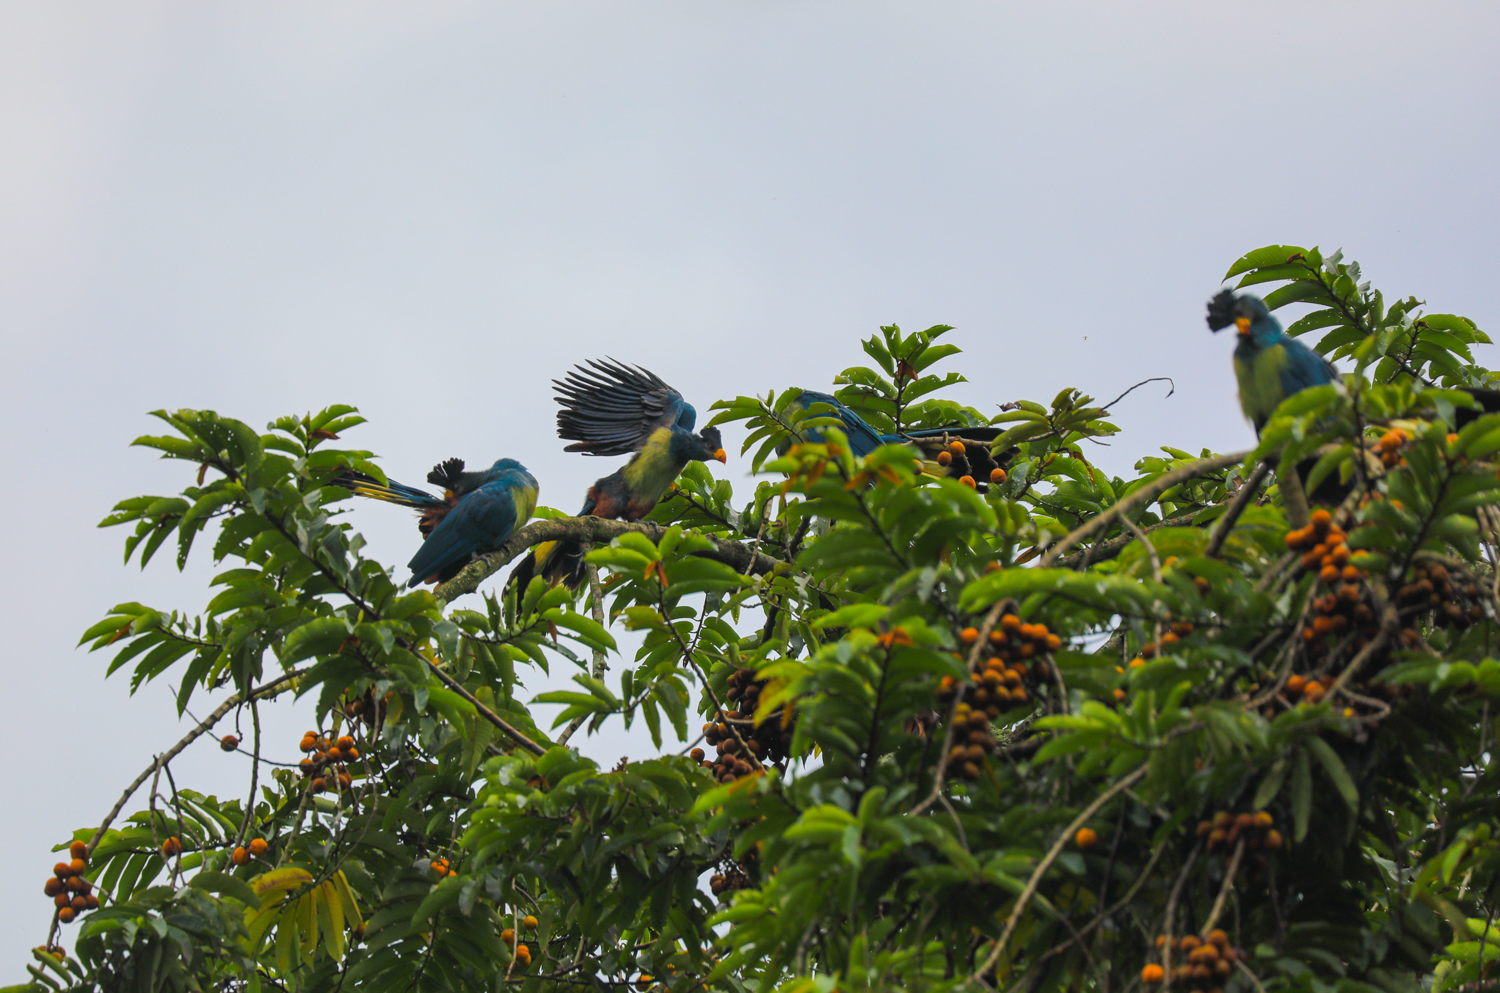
<point>1041,730</point>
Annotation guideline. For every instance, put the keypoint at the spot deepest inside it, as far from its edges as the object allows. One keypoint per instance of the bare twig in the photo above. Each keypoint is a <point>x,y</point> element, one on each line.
<point>1229,871</point>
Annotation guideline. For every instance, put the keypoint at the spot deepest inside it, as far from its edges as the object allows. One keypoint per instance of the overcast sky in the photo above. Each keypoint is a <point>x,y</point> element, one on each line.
<point>430,210</point>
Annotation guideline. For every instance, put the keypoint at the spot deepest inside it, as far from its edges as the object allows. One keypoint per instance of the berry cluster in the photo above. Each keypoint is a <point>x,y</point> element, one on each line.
<point>1389,447</point>
<point>967,463</point>
<point>324,762</point>
<point>1345,606</point>
<point>768,742</point>
<point>1224,829</point>
<point>440,868</point>
<point>69,890</point>
<point>257,849</point>
<point>522,950</point>
<point>1207,959</point>
<point>366,708</point>
<point>996,685</point>
<point>1453,604</point>
<point>732,875</point>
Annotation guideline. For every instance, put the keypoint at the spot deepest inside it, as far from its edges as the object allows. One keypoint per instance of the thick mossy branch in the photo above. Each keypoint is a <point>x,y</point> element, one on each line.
<point>597,531</point>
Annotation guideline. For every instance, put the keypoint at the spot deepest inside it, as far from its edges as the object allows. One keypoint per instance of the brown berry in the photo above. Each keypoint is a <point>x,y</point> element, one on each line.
<point>78,850</point>
<point>66,915</point>
<point>229,743</point>
<point>62,870</point>
<point>61,900</point>
<point>54,886</point>
<point>77,867</point>
<point>944,458</point>
<point>1273,838</point>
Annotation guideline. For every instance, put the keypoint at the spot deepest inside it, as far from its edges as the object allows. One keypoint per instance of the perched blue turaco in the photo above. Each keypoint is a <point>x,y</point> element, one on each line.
<point>864,439</point>
<point>476,514</point>
<point>610,408</point>
<point>1269,364</point>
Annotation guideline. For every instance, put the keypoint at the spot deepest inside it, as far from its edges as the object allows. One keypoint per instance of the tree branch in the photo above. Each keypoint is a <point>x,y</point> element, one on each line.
<point>596,530</point>
<point>268,689</point>
<point>1142,496</point>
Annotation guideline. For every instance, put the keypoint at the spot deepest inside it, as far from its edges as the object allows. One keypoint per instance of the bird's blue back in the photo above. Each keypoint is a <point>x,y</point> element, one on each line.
<point>480,522</point>
<point>863,439</point>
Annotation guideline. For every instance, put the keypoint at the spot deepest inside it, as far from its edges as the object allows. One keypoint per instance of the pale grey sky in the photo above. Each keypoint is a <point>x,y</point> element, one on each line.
<point>430,210</point>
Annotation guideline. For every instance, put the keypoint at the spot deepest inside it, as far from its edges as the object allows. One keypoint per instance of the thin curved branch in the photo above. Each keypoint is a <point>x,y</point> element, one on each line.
<point>268,689</point>
<point>1142,496</point>
<point>1046,863</point>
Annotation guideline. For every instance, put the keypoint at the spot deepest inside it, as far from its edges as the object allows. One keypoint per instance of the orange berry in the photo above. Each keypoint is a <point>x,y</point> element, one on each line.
<point>1010,623</point>
<point>1263,819</point>
<point>239,856</point>
<point>1295,684</point>
<point>956,447</point>
<point>79,903</point>
<point>508,936</point>
<point>351,754</point>
<point>345,742</point>
<point>944,458</point>
<point>77,867</point>
<point>968,635</point>
<point>66,915</point>
<point>997,475</point>
<point>1152,974</point>
<point>1351,574</point>
<point>523,956</point>
<point>62,900</point>
<point>54,886</point>
<point>1120,695</point>
<point>529,922</point>
<point>1219,939</point>
<point>229,743</point>
<point>1273,838</point>
<point>171,847</point>
<point>967,481</point>
<point>1137,662</point>
<point>1187,943</point>
<point>259,847</point>
<point>319,785</point>
<point>1329,573</point>
<point>62,870</point>
<point>1086,838</point>
<point>1313,691</point>
<point>78,850</point>
<point>1321,520</point>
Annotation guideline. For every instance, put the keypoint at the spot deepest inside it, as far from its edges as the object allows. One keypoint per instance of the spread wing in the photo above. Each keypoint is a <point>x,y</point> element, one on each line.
<point>610,408</point>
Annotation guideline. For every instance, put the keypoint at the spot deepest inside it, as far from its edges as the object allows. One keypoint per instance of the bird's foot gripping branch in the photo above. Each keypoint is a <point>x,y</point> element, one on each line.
<point>995,719</point>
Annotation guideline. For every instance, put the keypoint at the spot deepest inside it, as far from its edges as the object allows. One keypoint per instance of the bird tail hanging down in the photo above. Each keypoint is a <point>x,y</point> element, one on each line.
<point>555,561</point>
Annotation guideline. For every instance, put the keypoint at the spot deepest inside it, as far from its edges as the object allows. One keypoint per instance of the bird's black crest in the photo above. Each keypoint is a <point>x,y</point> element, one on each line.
<point>1221,310</point>
<point>711,436</point>
<point>446,473</point>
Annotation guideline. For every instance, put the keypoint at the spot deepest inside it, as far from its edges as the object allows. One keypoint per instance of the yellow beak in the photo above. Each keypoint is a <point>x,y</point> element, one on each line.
<point>1243,323</point>
<point>721,456</point>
